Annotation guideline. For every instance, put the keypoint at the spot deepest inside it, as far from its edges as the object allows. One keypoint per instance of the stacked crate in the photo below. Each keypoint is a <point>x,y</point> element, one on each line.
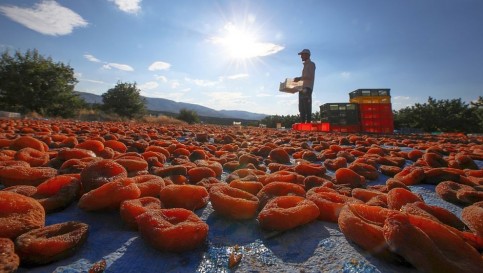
<point>375,110</point>
<point>340,117</point>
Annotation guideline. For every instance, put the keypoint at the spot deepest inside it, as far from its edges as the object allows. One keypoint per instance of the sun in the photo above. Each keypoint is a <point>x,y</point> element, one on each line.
<point>239,43</point>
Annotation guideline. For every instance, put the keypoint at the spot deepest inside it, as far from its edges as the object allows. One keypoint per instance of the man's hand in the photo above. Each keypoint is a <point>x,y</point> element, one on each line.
<point>297,79</point>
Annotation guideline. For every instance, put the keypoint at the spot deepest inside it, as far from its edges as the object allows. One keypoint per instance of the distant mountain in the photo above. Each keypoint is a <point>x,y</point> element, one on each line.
<point>165,105</point>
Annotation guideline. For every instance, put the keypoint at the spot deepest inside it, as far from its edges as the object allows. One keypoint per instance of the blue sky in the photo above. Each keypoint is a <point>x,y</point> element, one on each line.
<point>232,55</point>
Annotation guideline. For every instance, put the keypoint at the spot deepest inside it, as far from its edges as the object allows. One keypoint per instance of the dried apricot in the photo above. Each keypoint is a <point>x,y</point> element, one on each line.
<point>28,141</point>
<point>410,175</point>
<point>279,155</point>
<point>330,204</point>
<point>187,196</point>
<point>197,173</point>
<point>58,192</point>
<point>287,212</point>
<point>130,209</point>
<point>346,176</point>
<point>51,243</point>
<point>233,203</point>
<point>32,156</point>
<point>398,197</point>
<point>19,214</point>
<point>19,175</point>
<point>275,189</point>
<point>9,260</point>
<point>109,195</point>
<point>172,230</point>
<point>101,172</point>
<point>252,187</point>
<point>415,239</point>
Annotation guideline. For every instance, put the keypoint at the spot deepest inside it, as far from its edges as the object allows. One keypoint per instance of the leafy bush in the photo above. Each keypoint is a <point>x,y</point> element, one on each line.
<point>188,116</point>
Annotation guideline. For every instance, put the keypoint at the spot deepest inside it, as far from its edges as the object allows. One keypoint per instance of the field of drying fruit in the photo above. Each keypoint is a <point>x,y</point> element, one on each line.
<point>131,197</point>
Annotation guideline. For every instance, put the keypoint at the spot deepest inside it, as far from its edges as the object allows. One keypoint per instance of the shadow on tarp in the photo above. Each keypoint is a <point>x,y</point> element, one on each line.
<point>296,245</point>
<point>141,257</point>
<point>229,232</point>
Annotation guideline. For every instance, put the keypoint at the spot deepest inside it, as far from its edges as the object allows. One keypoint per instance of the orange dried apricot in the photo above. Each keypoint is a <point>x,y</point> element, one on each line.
<point>346,176</point>
<point>9,260</point>
<point>197,173</point>
<point>416,238</point>
<point>34,157</point>
<point>275,189</point>
<point>51,243</point>
<point>101,172</point>
<point>58,192</point>
<point>110,195</point>
<point>252,187</point>
<point>172,230</point>
<point>186,196</point>
<point>130,209</point>
<point>28,141</point>
<point>19,214</point>
<point>329,204</point>
<point>233,203</point>
<point>19,175</point>
<point>398,197</point>
<point>410,175</point>
<point>287,212</point>
<point>335,163</point>
<point>279,155</point>
<point>148,184</point>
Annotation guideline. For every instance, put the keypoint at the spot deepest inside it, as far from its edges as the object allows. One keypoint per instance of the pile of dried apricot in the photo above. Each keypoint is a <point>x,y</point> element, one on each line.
<point>155,177</point>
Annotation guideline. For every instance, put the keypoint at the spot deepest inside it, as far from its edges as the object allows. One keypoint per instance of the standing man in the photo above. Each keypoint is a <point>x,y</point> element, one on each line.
<point>305,95</point>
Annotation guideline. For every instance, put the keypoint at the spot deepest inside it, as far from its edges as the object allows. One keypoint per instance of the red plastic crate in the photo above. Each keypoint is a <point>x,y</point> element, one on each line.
<point>377,122</point>
<point>378,129</point>
<point>321,127</point>
<point>302,126</point>
<point>345,128</point>
<point>375,107</point>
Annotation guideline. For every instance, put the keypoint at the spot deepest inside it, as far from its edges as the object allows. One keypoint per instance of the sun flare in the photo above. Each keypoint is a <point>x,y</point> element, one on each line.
<point>241,43</point>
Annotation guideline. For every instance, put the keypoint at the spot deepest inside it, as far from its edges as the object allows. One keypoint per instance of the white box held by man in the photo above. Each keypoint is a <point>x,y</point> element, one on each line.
<point>289,86</point>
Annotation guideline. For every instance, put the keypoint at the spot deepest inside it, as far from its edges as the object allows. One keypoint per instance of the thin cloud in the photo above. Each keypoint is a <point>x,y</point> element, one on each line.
<point>161,78</point>
<point>159,66</point>
<point>128,6</point>
<point>123,67</point>
<point>203,83</point>
<point>92,58</point>
<point>345,75</point>
<point>46,17</point>
<point>175,84</point>
<point>237,76</point>
<point>228,100</point>
<point>93,81</point>
<point>149,85</point>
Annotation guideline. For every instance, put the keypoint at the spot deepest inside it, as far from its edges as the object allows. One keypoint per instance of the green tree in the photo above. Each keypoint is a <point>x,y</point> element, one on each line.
<point>441,115</point>
<point>125,100</point>
<point>188,116</point>
<point>31,82</point>
<point>285,121</point>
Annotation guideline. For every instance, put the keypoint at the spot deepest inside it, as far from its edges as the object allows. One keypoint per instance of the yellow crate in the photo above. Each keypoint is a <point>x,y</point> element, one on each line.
<point>371,99</point>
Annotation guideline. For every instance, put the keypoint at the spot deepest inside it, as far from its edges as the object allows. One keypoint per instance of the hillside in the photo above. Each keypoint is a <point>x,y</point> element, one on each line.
<point>170,106</point>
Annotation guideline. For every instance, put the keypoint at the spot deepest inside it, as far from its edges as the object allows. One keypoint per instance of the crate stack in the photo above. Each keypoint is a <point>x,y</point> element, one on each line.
<point>375,110</point>
<point>340,117</point>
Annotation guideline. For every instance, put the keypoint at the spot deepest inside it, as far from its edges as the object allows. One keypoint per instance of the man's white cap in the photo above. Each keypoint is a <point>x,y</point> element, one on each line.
<point>304,51</point>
